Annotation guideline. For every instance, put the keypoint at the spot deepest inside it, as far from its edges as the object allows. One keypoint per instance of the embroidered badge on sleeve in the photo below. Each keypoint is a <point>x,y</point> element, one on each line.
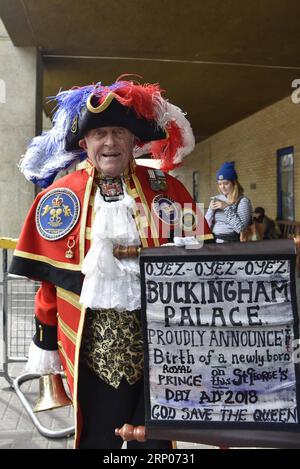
<point>166,209</point>
<point>57,213</point>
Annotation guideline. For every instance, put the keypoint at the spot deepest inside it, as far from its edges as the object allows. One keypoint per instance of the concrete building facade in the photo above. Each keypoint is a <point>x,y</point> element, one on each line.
<point>18,68</point>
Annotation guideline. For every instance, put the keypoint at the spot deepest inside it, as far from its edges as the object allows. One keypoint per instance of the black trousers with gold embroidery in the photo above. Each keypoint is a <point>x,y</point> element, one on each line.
<point>105,408</point>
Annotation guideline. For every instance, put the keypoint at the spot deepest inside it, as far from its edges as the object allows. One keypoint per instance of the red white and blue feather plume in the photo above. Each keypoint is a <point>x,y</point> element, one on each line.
<point>46,155</point>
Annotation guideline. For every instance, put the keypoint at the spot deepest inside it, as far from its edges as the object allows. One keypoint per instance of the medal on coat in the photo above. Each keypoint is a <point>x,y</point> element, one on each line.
<point>157,179</point>
<point>70,244</point>
<point>111,189</point>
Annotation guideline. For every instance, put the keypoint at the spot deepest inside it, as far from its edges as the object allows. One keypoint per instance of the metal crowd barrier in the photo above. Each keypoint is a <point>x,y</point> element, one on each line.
<point>17,331</point>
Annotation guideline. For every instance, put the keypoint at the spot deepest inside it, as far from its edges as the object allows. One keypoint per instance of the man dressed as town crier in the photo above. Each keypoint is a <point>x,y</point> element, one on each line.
<point>87,309</point>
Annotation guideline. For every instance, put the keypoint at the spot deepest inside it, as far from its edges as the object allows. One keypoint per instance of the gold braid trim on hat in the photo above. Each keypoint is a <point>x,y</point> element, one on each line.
<point>101,106</point>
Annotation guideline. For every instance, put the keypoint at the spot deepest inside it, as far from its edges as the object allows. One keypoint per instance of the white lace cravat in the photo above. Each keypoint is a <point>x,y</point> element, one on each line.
<point>110,282</point>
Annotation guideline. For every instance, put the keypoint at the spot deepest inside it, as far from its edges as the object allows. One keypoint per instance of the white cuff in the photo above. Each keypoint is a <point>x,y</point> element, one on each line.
<point>43,361</point>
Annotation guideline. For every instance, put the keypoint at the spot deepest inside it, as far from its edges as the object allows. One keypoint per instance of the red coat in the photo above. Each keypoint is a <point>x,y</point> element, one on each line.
<point>57,301</point>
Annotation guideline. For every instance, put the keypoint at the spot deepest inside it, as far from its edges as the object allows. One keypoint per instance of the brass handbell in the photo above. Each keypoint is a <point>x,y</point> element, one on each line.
<point>52,393</point>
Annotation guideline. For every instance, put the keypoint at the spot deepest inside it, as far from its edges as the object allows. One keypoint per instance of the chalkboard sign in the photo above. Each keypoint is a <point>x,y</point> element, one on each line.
<point>221,333</point>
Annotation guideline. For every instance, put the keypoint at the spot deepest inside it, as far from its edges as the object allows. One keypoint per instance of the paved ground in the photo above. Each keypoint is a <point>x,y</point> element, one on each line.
<point>16,428</point>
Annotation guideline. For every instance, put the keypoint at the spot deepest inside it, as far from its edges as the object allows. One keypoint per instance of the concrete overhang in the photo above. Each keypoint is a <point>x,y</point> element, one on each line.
<point>219,60</point>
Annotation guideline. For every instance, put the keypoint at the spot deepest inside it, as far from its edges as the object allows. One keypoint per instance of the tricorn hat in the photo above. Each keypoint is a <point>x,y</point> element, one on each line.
<point>161,128</point>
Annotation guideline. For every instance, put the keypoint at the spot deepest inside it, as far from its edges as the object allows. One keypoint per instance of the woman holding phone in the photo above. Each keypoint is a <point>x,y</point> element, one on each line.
<point>229,212</point>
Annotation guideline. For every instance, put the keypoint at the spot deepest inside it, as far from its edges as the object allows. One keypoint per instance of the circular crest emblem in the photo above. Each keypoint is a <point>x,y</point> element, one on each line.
<point>166,209</point>
<point>57,213</point>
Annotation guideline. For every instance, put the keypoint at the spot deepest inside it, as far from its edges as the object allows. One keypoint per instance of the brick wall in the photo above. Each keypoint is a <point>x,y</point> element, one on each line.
<point>252,143</point>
